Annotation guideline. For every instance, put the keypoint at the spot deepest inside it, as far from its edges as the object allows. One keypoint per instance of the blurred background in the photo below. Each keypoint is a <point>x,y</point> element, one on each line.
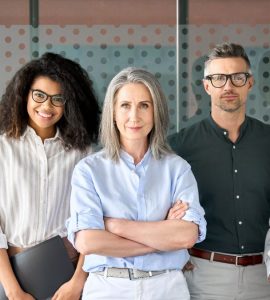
<point>170,38</point>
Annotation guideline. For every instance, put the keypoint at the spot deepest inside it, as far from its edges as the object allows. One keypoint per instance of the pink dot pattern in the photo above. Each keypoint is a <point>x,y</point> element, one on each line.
<point>103,50</point>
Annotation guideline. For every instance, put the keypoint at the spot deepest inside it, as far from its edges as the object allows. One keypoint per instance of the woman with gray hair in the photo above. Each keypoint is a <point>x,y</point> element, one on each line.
<point>126,214</point>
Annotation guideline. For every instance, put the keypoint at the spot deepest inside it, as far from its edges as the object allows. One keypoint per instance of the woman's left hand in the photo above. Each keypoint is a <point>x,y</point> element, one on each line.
<point>177,211</point>
<point>68,291</point>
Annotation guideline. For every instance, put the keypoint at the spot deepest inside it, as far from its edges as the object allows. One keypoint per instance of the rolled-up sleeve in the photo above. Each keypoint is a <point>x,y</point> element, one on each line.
<point>3,240</point>
<point>267,253</point>
<point>186,189</point>
<point>85,205</point>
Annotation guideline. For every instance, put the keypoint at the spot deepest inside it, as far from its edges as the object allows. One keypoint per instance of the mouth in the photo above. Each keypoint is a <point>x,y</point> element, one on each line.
<point>134,128</point>
<point>229,97</point>
<point>44,115</point>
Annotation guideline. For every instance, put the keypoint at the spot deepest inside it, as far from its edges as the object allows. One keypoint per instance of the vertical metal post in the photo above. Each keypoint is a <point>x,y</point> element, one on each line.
<point>34,23</point>
<point>183,12</point>
<point>182,39</point>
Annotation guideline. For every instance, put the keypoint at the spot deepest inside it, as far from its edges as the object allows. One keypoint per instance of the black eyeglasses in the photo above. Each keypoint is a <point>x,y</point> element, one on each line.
<point>237,79</point>
<point>40,97</point>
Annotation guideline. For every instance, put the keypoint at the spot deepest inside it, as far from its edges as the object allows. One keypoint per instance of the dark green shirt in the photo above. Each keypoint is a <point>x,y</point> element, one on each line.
<point>233,181</point>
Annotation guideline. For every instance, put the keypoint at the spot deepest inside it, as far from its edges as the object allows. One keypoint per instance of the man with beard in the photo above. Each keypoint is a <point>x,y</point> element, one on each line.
<point>230,158</point>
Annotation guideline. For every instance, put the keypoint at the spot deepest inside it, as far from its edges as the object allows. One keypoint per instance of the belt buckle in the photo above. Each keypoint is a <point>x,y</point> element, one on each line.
<point>133,274</point>
<point>236,260</point>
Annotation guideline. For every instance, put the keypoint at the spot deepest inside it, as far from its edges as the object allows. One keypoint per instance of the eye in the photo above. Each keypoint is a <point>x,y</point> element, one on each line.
<point>239,76</point>
<point>144,105</point>
<point>58,99</point>
<point>39,94</point>
<point>218,77</point>
<point>125,105</point>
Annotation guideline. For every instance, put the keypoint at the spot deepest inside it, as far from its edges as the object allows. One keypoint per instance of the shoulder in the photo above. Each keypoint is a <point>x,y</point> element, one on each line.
<point>258,131</point>
<point>187,136</point>
<point>6,141</point>
<point>257,124</point>
<point>174,161</point>
<point>96,159</point>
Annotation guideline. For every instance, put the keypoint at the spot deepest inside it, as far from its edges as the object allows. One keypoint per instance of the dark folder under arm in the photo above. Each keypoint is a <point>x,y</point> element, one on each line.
<point>42,269</point>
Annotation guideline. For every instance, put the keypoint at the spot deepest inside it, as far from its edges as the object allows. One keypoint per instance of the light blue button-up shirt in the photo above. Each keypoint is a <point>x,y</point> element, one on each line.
<point>143,192</point>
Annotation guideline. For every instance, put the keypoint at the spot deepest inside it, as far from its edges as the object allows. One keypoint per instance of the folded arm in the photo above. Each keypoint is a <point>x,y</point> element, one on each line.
<point>167,235</point>
<point>102,242</point>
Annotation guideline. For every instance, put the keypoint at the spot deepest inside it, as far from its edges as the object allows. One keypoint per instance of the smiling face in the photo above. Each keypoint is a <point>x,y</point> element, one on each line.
<point>134,113</point>
<point>44,116</point>
<point>228,98</point>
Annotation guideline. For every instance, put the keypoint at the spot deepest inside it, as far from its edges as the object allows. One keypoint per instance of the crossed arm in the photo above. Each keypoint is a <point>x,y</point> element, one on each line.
<point>122,237</point>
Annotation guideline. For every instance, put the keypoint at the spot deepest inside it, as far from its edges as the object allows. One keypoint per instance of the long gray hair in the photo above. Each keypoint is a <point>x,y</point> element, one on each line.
<point>109,134</point>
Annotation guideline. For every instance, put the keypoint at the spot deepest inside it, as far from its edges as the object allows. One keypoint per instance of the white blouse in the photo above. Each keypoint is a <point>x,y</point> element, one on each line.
<point>34,188</point>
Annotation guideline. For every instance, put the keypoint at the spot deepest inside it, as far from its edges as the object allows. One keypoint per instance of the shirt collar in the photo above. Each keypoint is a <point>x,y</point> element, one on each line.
<point>29,131</point>
<point>224,131</point>
<point>130,160</point>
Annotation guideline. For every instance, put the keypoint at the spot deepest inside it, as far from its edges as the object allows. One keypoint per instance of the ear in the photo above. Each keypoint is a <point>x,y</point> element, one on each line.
<point>251,82</point>
<point>207,87</point>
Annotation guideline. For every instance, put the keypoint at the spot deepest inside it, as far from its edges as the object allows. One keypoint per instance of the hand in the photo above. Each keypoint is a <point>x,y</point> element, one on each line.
<point>68,291</point>
<point>177,211</point>
<point>21,295</point>
<point>188,267</point>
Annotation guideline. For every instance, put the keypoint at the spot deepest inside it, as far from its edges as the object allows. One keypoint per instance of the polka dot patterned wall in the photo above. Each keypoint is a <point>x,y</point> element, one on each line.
<point>194,44</point>
<point>15,50</point>
<point>103,50</point>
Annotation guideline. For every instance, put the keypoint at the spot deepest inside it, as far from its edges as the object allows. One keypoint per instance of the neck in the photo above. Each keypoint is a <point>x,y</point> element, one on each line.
<point>231,121</point>
<point>45,133</point>
<point>135,149</point>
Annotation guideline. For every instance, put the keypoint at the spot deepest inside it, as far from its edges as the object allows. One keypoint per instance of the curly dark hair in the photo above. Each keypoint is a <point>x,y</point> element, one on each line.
<point>80,121</point>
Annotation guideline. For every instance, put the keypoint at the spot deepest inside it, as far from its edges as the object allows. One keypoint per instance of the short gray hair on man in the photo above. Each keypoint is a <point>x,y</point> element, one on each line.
<point>226,50</point>
<point>109,134</point>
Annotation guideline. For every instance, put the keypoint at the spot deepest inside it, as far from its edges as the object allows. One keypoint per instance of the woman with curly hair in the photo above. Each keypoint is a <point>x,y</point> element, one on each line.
<point>49,118</point>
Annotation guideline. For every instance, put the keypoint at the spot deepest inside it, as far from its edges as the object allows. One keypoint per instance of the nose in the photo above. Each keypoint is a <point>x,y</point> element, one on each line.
<point>133,116</point>
<point>228,85</point>
<point>48,102</point>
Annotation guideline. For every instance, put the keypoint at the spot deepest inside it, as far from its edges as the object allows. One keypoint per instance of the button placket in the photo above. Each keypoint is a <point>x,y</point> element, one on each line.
<point>238,215</point>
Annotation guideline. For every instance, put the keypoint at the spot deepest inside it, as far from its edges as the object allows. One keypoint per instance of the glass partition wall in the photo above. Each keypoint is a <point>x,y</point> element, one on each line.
<point>169,38</point>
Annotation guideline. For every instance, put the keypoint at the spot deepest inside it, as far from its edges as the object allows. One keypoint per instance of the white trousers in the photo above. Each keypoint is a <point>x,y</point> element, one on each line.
<point>167,286</point>
<point>221,281</point>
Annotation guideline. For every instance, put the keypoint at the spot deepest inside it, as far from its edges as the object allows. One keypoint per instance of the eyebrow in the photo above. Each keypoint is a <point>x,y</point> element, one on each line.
<point>150,101</point>
<point>33,89</point>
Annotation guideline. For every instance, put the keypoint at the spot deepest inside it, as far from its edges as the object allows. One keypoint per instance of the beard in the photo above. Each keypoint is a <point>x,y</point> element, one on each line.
<point>229,105</point>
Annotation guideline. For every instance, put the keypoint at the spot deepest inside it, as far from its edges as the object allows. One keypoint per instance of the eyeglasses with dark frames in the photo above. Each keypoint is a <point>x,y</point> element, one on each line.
<point>220,80</point>
<point>40,97</point>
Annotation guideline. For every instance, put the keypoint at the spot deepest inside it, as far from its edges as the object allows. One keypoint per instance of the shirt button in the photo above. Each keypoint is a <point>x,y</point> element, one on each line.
<point>237,197</point>
<point>240,222</point>
<point>234,147</point>
<point>225,132</point>
<point>242,247</point>
<point>235,171</point>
